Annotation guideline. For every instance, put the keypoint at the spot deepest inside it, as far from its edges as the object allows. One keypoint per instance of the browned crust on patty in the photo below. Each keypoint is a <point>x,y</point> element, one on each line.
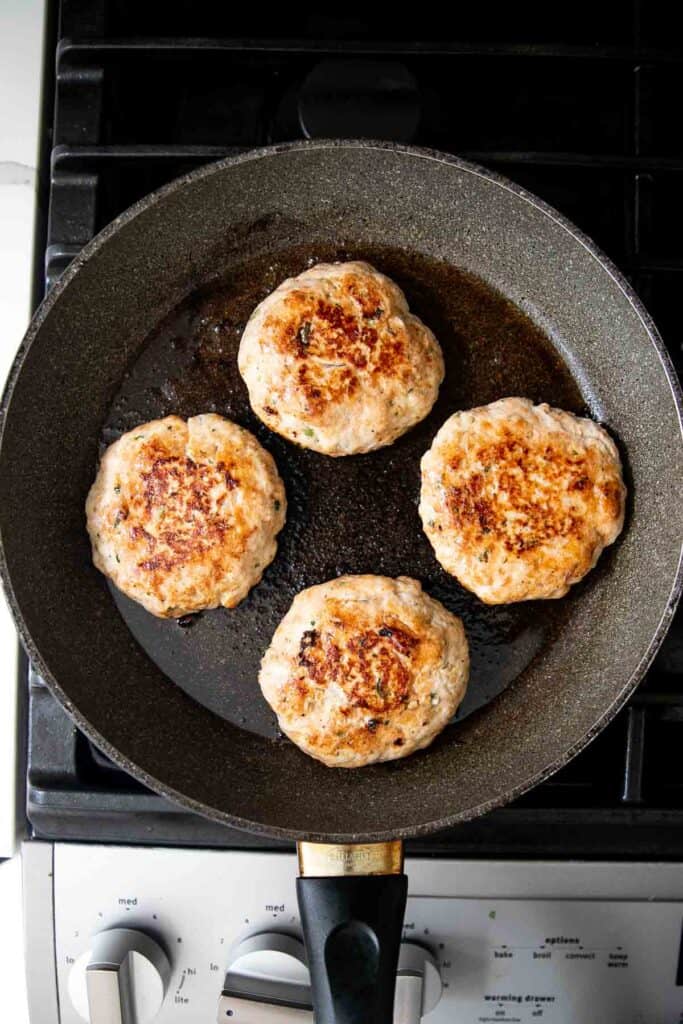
<point>183,516</point>
<point>334,360</point>
<point>519,500</point>
<point>480,511</point>
<point>330,341</point>
<point>365,668</point>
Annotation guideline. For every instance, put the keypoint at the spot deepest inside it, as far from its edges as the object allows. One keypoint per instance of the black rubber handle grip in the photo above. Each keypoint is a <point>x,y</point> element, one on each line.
<point>352,931</point>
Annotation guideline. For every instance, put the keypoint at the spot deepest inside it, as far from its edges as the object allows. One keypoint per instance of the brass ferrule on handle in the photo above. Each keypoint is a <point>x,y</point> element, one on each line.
<point>332,860</point>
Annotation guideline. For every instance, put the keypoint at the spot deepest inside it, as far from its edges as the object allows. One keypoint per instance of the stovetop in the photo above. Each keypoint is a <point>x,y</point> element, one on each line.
<point>574,104</point>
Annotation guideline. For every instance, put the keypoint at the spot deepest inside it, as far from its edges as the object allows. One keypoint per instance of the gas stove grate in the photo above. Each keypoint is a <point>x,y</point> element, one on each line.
<point>582,122</point>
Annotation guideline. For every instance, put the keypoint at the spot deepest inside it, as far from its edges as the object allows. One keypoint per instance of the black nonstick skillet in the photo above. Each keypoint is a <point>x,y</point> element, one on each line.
<point>146,321</point>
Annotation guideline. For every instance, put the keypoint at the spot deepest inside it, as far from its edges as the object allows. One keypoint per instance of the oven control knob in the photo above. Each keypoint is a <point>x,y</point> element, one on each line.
<point>122,979</point>
<point>267,980</point>
<point>418,984</point>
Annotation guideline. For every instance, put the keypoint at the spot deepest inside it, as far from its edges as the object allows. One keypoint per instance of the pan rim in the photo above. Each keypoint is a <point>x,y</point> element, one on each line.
<point>46,306</point>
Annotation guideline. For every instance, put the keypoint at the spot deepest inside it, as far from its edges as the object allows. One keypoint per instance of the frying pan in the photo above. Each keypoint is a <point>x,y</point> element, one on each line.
<point>146,321</point>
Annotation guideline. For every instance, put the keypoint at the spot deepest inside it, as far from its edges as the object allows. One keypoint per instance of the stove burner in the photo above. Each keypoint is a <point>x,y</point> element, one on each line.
<point>582,123</point>
<point>359,99</point>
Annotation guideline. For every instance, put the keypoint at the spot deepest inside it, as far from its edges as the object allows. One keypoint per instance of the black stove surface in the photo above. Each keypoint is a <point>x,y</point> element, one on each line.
<point>578,104</point>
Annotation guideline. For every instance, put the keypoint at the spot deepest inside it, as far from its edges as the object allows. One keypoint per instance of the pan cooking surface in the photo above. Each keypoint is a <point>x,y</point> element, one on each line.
<point>347,515</point>
<point>237,218</point>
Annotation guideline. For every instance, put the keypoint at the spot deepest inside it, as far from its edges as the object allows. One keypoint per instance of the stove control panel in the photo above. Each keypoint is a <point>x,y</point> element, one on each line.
<point>483,943</point>
<point>123,976</point>
<point>268,980</point>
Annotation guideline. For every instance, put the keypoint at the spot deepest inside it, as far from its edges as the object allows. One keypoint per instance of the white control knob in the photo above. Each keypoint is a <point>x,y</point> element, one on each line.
<point>418,984</point>
<point>121,980</point>
<point>267,981</point>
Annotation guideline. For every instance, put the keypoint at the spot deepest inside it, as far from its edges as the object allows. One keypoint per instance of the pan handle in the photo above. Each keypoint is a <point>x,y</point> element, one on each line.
<point>352,900</point>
